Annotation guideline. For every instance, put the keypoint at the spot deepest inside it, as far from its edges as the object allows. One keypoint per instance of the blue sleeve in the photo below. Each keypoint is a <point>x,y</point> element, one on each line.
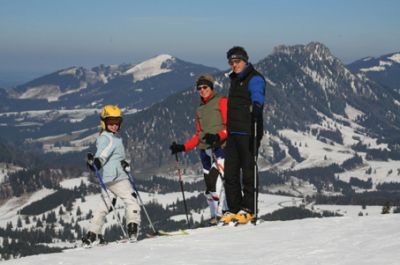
<point>257,89</point>
<point>104,148</point>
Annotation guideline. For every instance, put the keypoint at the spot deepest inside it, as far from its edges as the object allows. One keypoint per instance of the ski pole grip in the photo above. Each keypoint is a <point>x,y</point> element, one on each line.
<point>176,154</point>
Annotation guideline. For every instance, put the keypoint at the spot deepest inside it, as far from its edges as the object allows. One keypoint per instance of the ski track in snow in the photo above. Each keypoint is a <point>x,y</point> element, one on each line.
<point>328,241</point>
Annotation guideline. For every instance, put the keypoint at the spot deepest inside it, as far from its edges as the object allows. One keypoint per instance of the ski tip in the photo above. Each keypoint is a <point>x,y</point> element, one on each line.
<point>175,233</point>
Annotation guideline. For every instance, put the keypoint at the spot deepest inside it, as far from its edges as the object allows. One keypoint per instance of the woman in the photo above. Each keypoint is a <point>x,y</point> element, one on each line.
<point>210,138</point>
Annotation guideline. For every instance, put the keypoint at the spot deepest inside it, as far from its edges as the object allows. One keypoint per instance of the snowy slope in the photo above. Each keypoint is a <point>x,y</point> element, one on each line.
<point>151,67</point>
<point>7,169</point>
<point>336,241</point>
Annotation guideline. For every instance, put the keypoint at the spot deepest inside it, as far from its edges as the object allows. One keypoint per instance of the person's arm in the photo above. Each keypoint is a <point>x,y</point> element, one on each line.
<point>104,148</point>
<point>257,94</point>
<point>257,89</point>
<point>194,141</point>
<point>223,107</point>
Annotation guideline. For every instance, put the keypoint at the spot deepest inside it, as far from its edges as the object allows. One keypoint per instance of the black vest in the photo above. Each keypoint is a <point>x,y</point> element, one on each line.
<point>239,103</point>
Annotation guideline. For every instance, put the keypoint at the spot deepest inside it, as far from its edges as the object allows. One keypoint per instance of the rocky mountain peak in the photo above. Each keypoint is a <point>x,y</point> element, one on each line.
<point>315,50</point>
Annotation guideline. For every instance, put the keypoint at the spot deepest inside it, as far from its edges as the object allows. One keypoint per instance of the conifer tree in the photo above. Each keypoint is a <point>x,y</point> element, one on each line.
<point>386,208</point>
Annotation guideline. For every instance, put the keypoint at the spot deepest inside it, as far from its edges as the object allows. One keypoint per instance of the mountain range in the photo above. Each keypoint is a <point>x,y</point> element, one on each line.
<point>331,135</point>
<point>134,86</point>
<point>306,86</point>
<point>384,69</point>
<point>64,98</point>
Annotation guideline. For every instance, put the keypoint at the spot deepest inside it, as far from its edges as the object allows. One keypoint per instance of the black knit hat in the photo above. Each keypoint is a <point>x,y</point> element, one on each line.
<point>237,52</point>
<point>205,79</point>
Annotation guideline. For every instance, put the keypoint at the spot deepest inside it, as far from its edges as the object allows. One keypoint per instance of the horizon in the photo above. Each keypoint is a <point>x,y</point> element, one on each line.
<point>45,36</point>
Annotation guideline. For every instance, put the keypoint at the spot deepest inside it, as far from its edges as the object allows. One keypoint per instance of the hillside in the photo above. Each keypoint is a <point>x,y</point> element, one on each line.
<point>328,241</point>
<point>331,144</point>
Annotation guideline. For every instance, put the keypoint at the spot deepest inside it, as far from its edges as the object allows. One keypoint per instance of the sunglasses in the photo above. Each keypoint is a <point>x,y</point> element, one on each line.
<point>113,121</point>
<point>201,87</point>
<point>234,61</point>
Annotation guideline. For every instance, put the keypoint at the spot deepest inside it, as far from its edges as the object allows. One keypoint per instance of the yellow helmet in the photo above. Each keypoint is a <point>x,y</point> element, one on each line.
<point>110,111</point>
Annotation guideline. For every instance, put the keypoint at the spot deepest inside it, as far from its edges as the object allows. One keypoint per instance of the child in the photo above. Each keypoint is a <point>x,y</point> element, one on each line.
<point>110,152</point>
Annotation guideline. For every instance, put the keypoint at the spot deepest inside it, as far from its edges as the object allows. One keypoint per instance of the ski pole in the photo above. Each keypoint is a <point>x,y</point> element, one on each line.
<point>103,186</point>
<point>254,221</point>
<point>131,180</point>
<point>181,184</point>
<point>219,166</point>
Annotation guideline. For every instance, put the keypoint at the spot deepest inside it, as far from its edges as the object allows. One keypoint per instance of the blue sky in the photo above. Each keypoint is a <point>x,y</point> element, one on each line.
<point>46,35</point>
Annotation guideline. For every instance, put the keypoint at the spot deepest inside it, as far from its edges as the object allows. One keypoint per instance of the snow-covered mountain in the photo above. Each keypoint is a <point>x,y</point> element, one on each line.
<point>328,241</point>
<point>134,86</point>
<point>385,69</point>
<point>331,136</point>
<point>314,105</point>
<point>69,100</point>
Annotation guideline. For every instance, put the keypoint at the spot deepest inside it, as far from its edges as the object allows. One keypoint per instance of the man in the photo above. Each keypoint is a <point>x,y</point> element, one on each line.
<point>245,108</point>
<point>209,138</point>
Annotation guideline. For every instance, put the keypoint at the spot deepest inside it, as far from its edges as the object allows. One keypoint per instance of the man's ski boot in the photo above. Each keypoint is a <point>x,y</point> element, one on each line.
<point>242,217</point>
<point>91,239</point>
<point>226,218</point>
<point>133,231</point>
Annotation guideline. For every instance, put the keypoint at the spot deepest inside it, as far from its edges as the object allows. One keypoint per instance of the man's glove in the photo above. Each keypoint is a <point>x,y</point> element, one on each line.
<point>176,148</point>
<point>257,111</point>
<point>211,139</point>
<point>125,166</point>
<point>91,161</point>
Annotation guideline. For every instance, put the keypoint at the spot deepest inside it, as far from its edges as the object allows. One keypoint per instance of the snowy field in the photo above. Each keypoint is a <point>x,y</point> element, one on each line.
<point>371,240</point>
<point>9,210</point>
<point>7,169</point>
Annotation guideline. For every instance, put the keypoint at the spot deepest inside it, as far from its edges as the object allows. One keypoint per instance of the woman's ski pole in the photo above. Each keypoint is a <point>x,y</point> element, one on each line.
<point>183,192</point>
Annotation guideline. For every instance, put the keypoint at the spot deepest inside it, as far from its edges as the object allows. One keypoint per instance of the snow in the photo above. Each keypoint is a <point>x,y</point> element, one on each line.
<point>150,68</point>
<point>318,153</point>
<point>41,92</point>
<point>75,115</point>
<point>363,240</point>
<point>9,210</point>
<point>166,199</point>
<point>311,150</point>
<point>69,71</point>
<point>381,66</point>
<point>325,82</point>
<point>382,171</point>
<point>7,169</point>
<point>269,81</point>
<point>395,58</point>
<point>384,63</point>
<point>49,92</point>
<point>349,210</point>
<point>76,144</point>
<point>50,148</point>
<point>352,112</point>
<point>72,183</point>
<point>373,69</point>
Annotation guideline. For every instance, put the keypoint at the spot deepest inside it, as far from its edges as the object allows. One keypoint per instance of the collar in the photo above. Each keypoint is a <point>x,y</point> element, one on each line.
<point>243,73</point>
<point>207,99</point>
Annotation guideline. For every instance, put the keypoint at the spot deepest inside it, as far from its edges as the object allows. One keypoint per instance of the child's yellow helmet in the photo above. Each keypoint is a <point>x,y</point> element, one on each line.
<point>110,111</point>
